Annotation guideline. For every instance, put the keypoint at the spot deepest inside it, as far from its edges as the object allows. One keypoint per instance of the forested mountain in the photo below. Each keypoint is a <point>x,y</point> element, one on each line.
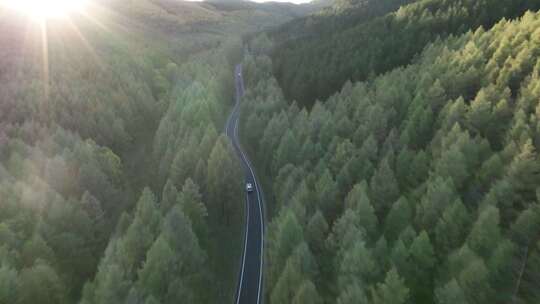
<point>316,67</point>
<point>397,143</point>
<point>114,179</point>
<point>339,16</point>
<point>420,185</point>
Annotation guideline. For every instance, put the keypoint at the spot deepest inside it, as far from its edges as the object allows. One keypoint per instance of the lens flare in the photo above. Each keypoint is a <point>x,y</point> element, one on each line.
<point>46,9</point>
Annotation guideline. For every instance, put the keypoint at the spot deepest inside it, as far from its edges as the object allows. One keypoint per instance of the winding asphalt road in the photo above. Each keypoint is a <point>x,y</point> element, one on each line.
<point>250,278</point>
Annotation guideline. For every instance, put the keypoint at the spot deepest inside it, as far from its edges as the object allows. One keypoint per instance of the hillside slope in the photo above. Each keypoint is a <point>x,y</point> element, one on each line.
<point>317,67</point>
<point>114,181</point>
<point>334,18</point>
<point>417,186</point>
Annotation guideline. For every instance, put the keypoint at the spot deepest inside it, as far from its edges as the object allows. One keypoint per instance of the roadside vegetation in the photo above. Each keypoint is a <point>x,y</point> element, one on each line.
<point>116,185</point>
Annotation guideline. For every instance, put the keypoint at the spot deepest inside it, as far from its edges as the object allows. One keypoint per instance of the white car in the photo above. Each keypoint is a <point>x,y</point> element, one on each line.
<point>249,187</point>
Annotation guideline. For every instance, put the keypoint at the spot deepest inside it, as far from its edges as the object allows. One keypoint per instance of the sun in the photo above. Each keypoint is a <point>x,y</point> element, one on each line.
<point>46,9</point>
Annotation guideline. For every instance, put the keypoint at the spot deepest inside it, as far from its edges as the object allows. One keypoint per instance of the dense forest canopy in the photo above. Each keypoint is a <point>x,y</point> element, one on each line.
<point>315,67</point>
<point>396,141</point>
<point>420,185</point>
<point>114,178</point>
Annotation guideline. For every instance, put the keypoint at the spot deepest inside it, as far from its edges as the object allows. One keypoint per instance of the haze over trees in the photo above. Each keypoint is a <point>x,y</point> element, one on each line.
<point>418,185</point>
<point>397,142</point>
<point>112,161</point>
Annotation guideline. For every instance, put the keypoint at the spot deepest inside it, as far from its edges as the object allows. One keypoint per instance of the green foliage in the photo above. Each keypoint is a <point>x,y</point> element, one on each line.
<point>391,291</point>
<point>307,294</point>
<point>221,168</point>
<point>384,188</point>
<point>8,284</point>
<point>485,233</point>
<point>398,218</point>
<point>430,169</point>
<point>315,66</point>
<point>450,293</point>
<point>40,284</point>
<point>129,103</point>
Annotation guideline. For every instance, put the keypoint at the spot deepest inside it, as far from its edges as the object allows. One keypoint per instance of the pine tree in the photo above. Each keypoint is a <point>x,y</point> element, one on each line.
<point>352,294</point>
<point>143,230</point>
<point>192,205</point>
<point>485,233</point>
<point>287,151</point>
<point>287,236</point>
<point>156,271</point>
<point>399,217</point>
<point>357,263</point>
<point>502,265</point>
<point>383,188</point>
<point>452,227</point>
<point>524,171</point>
<point>452,165</point>
<point>450,293</point>
<point>34,249</point>
<point>399,257</point>
<point>40,284</point>
<point>327,194</point>
<point>381,252</point>
<point>316,232</point>
<point>299,267</point>
<point>528,279</point>
<point>526,226</point>
<point>391,291</point>
<point>286,285</point>
<point>358,199</point>
<point>474,280</point>
<point>221,192</point>
<point>440,194</point>
<point>169,197</point>
<point>307,294</point>
<point>8,284</point>
<point>404,162</point>
<point>422,259</point>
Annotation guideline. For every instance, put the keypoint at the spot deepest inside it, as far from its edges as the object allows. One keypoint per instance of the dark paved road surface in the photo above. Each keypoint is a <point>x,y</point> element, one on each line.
<point>250,279</point>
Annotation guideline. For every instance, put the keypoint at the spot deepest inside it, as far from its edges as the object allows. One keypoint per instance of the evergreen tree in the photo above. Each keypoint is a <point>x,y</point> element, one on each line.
<point>40,284</point>
<point>474,280</point>
<point>287,236</point>
<point>169,197</point>
<point>383,188</point>
<point>316,232</point>
<point>399,217</point>
<point>156,271</point>
<point>359,200</point>
<point>358,263</point>
<point>8,284</point>
<point>192,205</point>
<point>440,194</point>
<point>422,256</point>
<point>352,294</point>
<point>307,294</point>
<point>452,227</point>
<point>450,293</point>
<point>287,151</point>
<point>143,230</point>
<point>221,192</point>
<point>485,233</point>
<point>391,291</point>
<point>327,194</point>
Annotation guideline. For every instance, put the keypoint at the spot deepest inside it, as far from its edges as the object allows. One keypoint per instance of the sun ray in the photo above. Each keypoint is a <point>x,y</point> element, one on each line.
<point>86,44</point>
<point>45,9</point>
<point>45,59</point>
